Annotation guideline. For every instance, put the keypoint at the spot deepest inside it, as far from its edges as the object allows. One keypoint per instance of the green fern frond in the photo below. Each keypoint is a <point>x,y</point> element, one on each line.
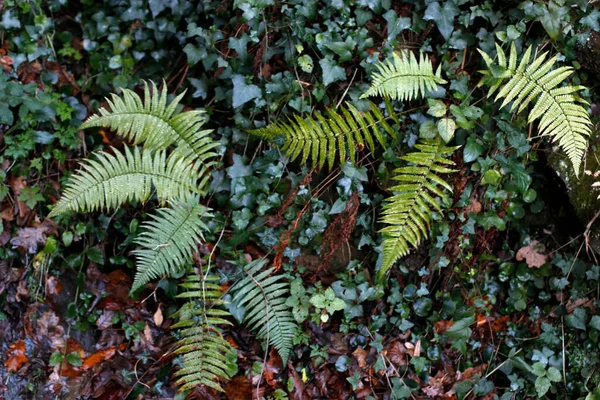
<point>207,357</point>
<point>408,212</point>
<point>404,78</point>
<point>112,180</point>
<point>168,240</point>
<point>156,124</point>
<point>558,108</point>
<point>264,296</point>
<point>323,139</point>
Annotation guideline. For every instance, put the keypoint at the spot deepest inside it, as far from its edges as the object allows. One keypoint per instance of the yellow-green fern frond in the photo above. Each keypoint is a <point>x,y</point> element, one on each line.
<point>155,123</point>
<point>324,139</point>
<point>207,357</point>
<point>404,78</point>
<point>558,108</point>
<point>407,213</point>
<point>111,180</point>
<point>264,296</point>
<point>169,240</point>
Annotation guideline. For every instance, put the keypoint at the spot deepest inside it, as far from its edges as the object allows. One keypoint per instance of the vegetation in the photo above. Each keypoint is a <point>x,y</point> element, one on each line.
<point>323,200</point>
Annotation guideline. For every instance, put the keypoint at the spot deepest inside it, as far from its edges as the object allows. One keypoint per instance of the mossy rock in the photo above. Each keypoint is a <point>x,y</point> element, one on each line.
<point>582,195</point>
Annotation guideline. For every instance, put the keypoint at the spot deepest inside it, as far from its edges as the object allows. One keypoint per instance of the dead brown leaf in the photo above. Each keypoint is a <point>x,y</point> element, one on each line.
<point>29,238</point>
<point>396,353</point>
<point>360,355</point>
<point>532,255</point>
<point>15,356</point>
<point>158,317</point>
<point>238,388</point>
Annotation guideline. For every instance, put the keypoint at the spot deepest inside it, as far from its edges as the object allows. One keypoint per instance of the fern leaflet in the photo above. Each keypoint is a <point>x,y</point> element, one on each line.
<point>112,180</point>
<point>558,108</point>
<point>169,240</point>
<point>322,139</point>
<point>264,296</point>
<point>156,124</point>
<point>207,356</point>
<point>408,212</point>
<point>404,78</point>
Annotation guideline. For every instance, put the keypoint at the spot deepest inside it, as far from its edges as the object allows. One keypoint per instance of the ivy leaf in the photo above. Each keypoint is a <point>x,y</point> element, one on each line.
<point>595,322</point>
<point>577,319</point>
<point>395,25</point>
<point>242,92</point>
<point>74,359</point>
<point>156,7</point>
<point>539,369</point>
<point>443,16</point>
<point>6,115</point>
<point>542,385</point>
<point>446,128</point>
<point>553,374</point>
<point>331,71</point>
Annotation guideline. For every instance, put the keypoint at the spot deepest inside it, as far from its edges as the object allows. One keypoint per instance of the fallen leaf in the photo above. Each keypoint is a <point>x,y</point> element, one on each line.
<point>272,367</point>
<point>532,255</point>
<point>442,326</point>
<point>238,388</point>
<point>53,285</point>
<point>15,356</point>
<point>158,317</point>
<point>396,353</point>
<point>360,355</point>
<point>29,238</point>
<point>98,357</point>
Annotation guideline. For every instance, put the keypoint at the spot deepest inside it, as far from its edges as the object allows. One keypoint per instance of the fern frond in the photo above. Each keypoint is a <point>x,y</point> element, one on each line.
<point>404,78</point>
<point>408,212</point>
<point>325,139</point>
<point>264,296</point>
<point>168,240</point>
<point>111,180</point>
<point>207,357</point>
<point>558,108</point>
<point>155,123</point>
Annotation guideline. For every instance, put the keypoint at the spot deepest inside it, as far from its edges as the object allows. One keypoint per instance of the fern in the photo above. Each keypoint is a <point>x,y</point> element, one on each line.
<point>558,108</point>
<point>156,123</point>
<point>323,139</point>
<point>112,180</point>
<point>404,78</point>
<point>168,241</point>
<point>207,356</point>
<point>264,296</point>
<point>408,212</point>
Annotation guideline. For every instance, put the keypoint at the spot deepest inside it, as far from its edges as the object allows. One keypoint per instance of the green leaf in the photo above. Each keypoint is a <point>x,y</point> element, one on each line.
<point>446,128</point>
<point>443,16</point>
<point>539,368</point>
<point>335,305</point>
<point>56,358</point>
<point>242,92</point>
<point>542,385</point>
<point>577,319</point>
<point>472,149</point>
<point>318,300</point>
<point>74,359</point>
<point>95,255</point>
<point>595,322</point>
<point>428,130</point>
<point>437,108</point>
<point>331,71</point>
<point>553,374</point>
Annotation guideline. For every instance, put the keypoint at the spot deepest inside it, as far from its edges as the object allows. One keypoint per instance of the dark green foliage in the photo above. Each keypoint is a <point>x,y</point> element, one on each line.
<point>408,211</point>
<point>325,138</point>
<point>207,357</point>
<point>264,296</point>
